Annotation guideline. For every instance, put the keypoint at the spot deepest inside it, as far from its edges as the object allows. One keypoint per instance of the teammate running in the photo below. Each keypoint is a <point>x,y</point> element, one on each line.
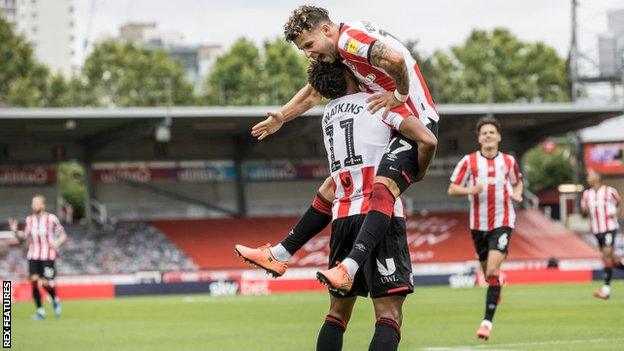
<point>45,235</point>
<point>384,67</point>
<point>601,203</point>
<point>491,180</point>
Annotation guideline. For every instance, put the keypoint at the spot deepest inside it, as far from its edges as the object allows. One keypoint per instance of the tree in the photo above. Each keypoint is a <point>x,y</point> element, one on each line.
<point>285,71</point>
<point>496,66</point>
<point>126,74</point>
<point>237,76</point>
<point>548,170</point>
<point>23,81</point>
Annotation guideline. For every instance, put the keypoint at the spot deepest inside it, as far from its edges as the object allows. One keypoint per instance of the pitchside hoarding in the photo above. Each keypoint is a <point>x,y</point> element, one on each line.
<point>606,158</point>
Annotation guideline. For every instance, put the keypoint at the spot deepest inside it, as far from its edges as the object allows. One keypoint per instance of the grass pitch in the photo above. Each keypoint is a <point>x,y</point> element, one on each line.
<point>538,317</point>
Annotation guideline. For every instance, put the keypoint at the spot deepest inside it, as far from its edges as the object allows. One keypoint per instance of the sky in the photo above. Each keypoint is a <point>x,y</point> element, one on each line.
<point>437,24</point>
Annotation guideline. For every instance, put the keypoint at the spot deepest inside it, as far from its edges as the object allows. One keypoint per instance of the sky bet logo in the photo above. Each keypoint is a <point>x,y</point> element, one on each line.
<point>6,314</point>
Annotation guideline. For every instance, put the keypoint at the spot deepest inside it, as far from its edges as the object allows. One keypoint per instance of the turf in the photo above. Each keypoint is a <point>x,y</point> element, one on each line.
<point>539,317</point>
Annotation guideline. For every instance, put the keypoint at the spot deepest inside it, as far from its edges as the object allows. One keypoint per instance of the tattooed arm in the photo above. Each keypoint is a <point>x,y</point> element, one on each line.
<point>391,61</point>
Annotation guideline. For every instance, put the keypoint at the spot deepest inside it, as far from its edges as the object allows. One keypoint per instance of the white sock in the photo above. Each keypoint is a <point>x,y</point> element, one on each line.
<point>352,266</point>
<point>280,253</point>
<point>487,323</point>
<point>606,290</point>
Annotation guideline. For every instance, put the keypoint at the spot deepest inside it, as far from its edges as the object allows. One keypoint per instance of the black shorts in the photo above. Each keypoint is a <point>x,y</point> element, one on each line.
<point>497,239</point>
<point>606,239</point>
<point>400,162</point>
<point>388,271</point>
<point>44,268</point>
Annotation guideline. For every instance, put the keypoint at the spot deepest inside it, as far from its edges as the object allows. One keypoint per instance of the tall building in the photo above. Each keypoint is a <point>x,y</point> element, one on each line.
<point>49,27</point>
<point>611,45</point>
<point>197,60</point>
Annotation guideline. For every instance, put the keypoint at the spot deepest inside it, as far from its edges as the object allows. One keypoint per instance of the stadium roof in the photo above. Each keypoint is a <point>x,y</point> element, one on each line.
<point>96,128</point>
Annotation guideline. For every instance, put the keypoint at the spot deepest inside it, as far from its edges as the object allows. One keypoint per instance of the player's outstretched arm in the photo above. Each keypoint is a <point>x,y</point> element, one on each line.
<point>393,62</point>
<point>415,130</point>
<point>13,227</point>
<point>458,190</point>
<point>517,190</point>
<point>305,99</point>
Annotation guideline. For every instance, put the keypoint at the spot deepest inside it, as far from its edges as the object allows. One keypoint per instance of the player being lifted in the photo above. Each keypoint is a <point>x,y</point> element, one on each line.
<point>355,141</point>
<point>491,180</point>
<point>601,202</point>
<point>386,69</point>
<point>45,235</point>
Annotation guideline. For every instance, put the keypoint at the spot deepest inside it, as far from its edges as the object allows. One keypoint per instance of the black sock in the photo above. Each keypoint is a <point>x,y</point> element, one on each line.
<point>373,229</point>
<point>492,297</point>
<point>36,294</point>
<point>387,335</point>
<point>51,291</point>
<point>330,336</point>
<point>313,221</point>
<point>375,224</point>
<point>608,274</point>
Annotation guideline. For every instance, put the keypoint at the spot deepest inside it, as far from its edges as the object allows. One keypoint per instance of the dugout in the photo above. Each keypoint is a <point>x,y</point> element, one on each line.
<point>190,162</point>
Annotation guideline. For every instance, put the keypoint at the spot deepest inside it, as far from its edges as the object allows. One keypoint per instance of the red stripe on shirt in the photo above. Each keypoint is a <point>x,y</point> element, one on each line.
<point>605,208</point>
<point>423,84</point>
<point>368,177</point>
<point>459,180</point>
<point>410,103</point>
<point>475,198</point>
<point>345,202</point>
<point>598,224</point>
<point>491,199</point>
<point>509,165</point>
<point>360,36</point>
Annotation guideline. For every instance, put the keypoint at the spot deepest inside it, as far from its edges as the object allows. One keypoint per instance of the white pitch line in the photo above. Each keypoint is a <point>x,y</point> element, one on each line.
<point>521,344</point>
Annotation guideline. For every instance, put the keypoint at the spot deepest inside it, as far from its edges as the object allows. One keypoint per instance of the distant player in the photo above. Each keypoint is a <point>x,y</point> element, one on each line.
<point>385,69</point>
<point>601,203</point>
<point>45,235</point>
<point>491,180</point>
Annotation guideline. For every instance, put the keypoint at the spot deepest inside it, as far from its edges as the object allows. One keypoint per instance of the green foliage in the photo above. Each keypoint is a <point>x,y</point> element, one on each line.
<point>246,76</point>
<point>548,170</point>
<point>496,66</point>
<point>71,184</point>
<point>126,74</point>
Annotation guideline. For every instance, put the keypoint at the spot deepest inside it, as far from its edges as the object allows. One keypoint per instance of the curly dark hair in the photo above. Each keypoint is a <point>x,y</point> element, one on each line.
<point>329,79</point>
<point>304,17</point>
<point>488,120</point>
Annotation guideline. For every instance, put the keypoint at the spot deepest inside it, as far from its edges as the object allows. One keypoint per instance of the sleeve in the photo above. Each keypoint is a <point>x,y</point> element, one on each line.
<point>616,196</point>
<point>58,227</point>
<point>514,175</point>
<point>396,116</point>
<point>461,175</point>
<point>355,45</point>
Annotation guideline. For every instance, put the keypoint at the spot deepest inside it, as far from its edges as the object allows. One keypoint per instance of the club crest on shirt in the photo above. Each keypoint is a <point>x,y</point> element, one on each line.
<point>351,46</point>
<point>370,78</point>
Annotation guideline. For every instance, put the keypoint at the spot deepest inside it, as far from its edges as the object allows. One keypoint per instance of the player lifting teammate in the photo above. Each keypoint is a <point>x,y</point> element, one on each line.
<point>491,180</point>
<point>45,235</point>
<point>386,69</point>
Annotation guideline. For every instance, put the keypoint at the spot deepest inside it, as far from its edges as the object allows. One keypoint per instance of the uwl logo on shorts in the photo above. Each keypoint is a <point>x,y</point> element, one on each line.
<point>388,269</point>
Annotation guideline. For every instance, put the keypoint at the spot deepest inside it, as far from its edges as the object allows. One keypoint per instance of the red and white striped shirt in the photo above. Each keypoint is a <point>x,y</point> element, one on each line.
<point>41,231</point>
<point>602,207</point>
<point>492,208</point>
<point>355,142</point>
<point>354,46</point>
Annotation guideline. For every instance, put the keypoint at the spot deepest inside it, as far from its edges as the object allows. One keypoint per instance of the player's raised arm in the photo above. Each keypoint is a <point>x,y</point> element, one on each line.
<point>20,236</point>
<point>305,99</point>
<point>393,62</point>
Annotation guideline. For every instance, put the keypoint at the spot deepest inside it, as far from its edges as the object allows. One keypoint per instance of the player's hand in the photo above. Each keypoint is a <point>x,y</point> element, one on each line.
<point>273,122</point>
<point>55,245</point>
<point>13,225</point>
<point>476,189</point>
<point>380,100</point>
<point>517,197</point>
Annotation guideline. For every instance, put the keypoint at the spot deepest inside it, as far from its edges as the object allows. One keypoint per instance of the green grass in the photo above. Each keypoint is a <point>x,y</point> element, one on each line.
<point>542,317</point>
